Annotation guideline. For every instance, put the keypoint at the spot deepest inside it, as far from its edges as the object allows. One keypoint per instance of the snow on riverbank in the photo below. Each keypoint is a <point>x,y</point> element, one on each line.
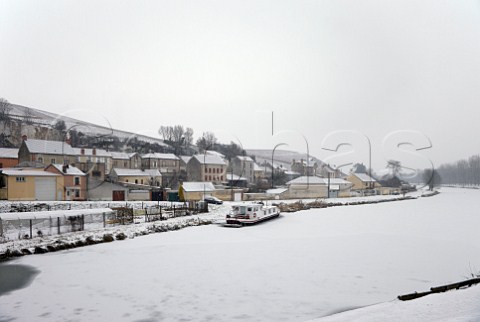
<point>298,267</point>
<point>460,305</point>
<point>216,215</point>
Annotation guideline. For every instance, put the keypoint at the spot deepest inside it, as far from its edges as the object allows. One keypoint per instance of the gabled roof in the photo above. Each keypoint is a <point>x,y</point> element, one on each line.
<point>198,186</point>
<point>307,180</point>
<point>211,152</point>
<point>364,177</point>
<point>153,172</point>
<point>122,155</point>
<point>70,170</point>
<point>244,158</point>
<point>160,156</point>
<point>209,159</point>
<point>89,152</point>
<point>185,158</point>
<point>27,172</point>
<point>135,172</point>
<point>49,147</point>
<point>7,153</point>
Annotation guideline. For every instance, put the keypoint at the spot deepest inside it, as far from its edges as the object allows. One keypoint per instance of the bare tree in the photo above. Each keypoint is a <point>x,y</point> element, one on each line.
<point>206,141</point>
<point>5,109</point>
<point>395,167</point>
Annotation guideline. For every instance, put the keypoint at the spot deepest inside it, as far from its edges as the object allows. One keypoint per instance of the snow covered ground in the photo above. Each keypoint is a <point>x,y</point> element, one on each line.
<point>302,266</point>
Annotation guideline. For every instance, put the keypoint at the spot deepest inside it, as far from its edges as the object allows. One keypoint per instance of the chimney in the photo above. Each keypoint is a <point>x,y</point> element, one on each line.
<point>64,168</point>
<point>24,137</point>
<point>94,151</point>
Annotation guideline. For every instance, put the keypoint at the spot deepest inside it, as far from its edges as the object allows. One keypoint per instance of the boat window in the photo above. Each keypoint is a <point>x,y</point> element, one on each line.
<point>249,209</point>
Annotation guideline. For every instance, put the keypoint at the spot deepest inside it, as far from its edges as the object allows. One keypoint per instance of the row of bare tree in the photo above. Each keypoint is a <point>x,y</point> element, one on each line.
<point>462,172</point>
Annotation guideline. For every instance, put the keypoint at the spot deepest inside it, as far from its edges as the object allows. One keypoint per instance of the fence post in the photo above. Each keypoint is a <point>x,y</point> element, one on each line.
<point>104,223</point>
<point>58,225</point>
<point>174,211</point>
<point>1,227</point>
<point>83,222</point>
<point>31,229</point>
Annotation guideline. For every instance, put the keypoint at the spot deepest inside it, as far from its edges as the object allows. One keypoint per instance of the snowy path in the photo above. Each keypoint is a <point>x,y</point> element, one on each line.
<point>300,267</point>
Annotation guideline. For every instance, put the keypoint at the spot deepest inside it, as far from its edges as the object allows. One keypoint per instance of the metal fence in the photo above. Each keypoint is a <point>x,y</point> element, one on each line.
<point>15,226</point>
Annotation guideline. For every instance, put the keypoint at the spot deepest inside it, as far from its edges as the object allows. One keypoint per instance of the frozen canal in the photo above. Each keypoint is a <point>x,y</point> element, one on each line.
<point>301,266</point>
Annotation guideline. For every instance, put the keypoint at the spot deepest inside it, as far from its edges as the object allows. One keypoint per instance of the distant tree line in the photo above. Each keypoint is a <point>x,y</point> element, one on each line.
<point>462,172</point>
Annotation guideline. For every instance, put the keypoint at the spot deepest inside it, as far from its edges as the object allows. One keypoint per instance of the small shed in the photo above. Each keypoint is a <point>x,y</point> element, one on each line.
<point>195,190</point>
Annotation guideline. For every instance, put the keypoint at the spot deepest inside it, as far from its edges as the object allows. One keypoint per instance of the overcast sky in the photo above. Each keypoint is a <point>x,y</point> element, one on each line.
<point>368,67</point>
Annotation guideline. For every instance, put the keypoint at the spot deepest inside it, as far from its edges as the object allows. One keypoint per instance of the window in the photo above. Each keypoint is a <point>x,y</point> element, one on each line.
<point>206,178</point>
<point>209,170</point>
<point>126,180</point>
<point>141,181</point>
<point>40,159</point>
<point>20,179</point>
<point>77,193</point>
<point>53,161</point>
<point>77,181</point>
<point>136,181</point>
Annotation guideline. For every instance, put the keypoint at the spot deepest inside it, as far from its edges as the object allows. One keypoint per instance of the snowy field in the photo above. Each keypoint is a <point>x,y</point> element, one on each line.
<point>302,266</point>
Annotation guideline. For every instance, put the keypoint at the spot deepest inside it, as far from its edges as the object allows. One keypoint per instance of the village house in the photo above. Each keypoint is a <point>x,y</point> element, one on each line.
<point>45,152</point>
<point>167,163</point>
<point>362,181</point>
<point>206,167</point>
<point>195,191</point>
<point>316,187</point>
<point>304,167</point>
<point>96,163</point>
<point>149,177</point>
<point>24,184</point>
<point>126,160</point>
<point>74,181</point>
<point>8,157</point>
<point>244,166</point>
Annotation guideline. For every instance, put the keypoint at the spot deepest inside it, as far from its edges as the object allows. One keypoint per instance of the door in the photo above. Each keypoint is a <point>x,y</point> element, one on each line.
<point>45,189</point>
<point>118,195</point>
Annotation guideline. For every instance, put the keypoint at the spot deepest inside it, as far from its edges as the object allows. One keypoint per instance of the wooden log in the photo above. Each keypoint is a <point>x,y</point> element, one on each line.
<point>412,296</point>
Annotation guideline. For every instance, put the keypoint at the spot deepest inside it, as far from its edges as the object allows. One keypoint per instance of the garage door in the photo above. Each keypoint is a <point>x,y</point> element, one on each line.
<point>45,189</point>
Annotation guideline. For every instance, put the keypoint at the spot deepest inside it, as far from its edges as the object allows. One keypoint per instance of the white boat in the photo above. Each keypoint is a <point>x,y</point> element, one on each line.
<point>250,213</point>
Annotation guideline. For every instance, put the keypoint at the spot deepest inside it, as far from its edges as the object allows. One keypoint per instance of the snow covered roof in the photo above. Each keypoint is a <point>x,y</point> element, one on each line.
<point>232,176</point>
<point>185,158</point>
<point>198,186</point>
<point>89,152</point>
<point>364,177</point>
<point>276,191</point>
<point>122,155</point>
<point>218,154</point>
<point>244,158</point>
<point>49,147</point>
<point>71,170</point>
<point>160,156</point>
<point>318,181</point>
<point>27,172</point>
<point>153,172</point>
<point>135,172</point>
<point>306,180</point>
<point>256,167</point>
<point>7,153</point>
<point>209,159</point>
